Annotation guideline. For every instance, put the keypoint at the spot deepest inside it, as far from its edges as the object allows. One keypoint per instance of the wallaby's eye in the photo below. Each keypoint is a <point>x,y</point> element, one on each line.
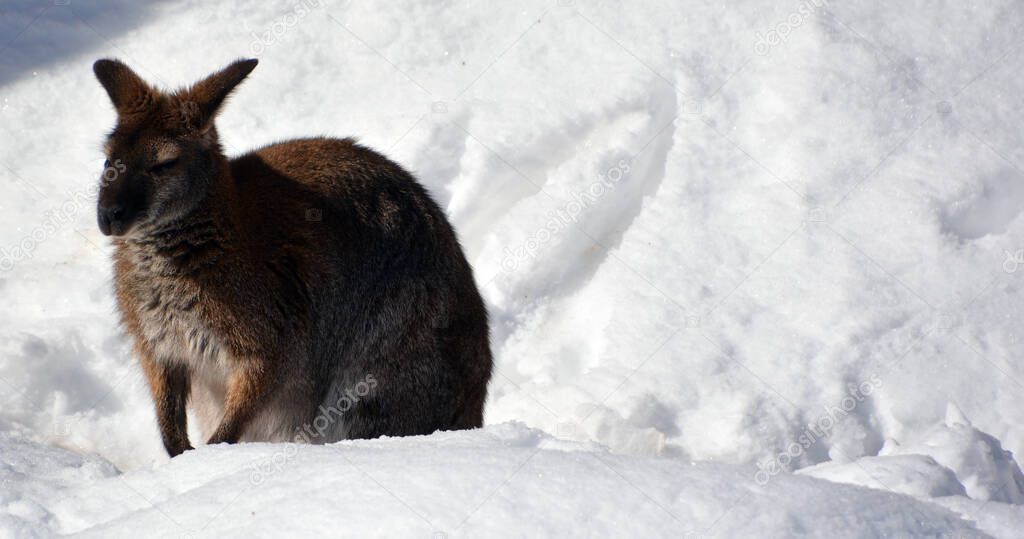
<point>163,166</point>
<point>106,163</point>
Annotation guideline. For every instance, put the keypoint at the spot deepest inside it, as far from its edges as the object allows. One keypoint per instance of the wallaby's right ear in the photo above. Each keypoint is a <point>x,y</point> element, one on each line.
<point>129,93</point>
<point>209,94</point>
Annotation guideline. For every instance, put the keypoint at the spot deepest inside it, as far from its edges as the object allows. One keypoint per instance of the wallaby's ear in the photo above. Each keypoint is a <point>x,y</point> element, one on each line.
<point>209,94</point>
<point>128,92</point>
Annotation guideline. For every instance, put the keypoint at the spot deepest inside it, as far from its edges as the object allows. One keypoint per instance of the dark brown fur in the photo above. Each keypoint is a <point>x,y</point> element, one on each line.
<point>262,289</point>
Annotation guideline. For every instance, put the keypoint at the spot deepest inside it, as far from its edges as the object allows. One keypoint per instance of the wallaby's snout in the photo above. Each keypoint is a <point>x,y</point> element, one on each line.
<point>122,200</point>
<point>111,219</point>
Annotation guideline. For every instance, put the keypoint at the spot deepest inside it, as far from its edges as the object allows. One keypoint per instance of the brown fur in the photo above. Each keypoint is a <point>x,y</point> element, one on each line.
<point>258,289</point>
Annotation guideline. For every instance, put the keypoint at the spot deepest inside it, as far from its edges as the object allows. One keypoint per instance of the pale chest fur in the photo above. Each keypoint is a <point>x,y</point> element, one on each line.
<point>169,311</point>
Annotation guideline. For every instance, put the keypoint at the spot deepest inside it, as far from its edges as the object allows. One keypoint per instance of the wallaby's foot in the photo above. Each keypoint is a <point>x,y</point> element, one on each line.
<point>176,448</point>
<point>221,438</point>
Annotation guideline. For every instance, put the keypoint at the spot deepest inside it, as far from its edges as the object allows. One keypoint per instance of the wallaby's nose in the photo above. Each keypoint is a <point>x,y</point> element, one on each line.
<point>110,219</point>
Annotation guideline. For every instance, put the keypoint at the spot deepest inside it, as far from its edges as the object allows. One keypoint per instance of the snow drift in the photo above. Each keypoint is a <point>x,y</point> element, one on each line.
<point>775,236</point>
<point>509,480</point>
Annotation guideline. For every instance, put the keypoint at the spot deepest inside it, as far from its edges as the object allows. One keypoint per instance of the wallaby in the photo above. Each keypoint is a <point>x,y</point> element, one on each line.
<point>309,290</point>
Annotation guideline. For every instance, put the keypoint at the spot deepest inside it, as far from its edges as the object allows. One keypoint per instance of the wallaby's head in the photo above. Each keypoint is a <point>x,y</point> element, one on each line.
<point>163,156</point>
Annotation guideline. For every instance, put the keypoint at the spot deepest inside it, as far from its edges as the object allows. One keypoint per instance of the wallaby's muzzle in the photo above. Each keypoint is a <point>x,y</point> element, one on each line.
<point>118,208</point>
<point>110,219</point>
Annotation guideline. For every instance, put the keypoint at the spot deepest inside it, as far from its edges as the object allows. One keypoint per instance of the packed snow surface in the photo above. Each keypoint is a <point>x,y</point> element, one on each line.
<point>720,243</point>
<point>506,479</point>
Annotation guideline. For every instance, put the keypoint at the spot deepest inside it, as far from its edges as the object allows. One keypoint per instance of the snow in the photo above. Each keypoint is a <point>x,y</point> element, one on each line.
<point>953,458</point>
<point>915,475</point>
<point>987,471</point>
<point>511,480</point>
<point>720,243</point>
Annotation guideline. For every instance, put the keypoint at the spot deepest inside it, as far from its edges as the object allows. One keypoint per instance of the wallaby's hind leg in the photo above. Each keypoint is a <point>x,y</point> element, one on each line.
<point>249,388</point>
<point>475,356</point>
<point>387,416</point>
<point>414,396</point>
<point>169,385</point>
<point>471,412</point>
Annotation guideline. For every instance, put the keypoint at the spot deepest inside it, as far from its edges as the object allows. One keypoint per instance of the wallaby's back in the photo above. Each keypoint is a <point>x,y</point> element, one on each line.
<point>377,250</point>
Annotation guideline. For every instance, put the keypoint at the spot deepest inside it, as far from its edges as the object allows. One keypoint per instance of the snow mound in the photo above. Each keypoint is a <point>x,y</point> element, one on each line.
<point>914,475</point>
<point>987,471</point>
<point>995,518</point>
<point>34,477</point>
<point>951,459</point>
<point>477,483</point>
<point>738,232</point>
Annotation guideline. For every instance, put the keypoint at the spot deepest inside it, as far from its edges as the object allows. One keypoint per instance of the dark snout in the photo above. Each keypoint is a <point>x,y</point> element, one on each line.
<point>111,219</point>
<point>118,208</point>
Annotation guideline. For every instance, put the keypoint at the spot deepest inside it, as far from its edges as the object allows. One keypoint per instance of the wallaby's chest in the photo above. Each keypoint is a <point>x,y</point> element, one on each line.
<point>172,313</point>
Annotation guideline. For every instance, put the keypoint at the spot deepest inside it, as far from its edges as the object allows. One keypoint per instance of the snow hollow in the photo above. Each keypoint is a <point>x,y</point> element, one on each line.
<point>753,268</point>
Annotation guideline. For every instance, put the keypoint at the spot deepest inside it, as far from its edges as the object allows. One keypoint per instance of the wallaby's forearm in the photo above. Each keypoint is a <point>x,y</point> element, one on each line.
<point>169,385</point>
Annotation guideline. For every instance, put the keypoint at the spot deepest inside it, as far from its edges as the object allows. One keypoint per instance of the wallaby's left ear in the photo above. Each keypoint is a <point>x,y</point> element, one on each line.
<point>209,94</point>
<point>129,93</point>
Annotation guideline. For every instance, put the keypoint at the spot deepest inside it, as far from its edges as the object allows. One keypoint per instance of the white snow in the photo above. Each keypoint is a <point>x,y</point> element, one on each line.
<point>504,480</point>
<point>987,471</point>
<point>760,237</point>
<point>916,475</point>
<point>953,458</point>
